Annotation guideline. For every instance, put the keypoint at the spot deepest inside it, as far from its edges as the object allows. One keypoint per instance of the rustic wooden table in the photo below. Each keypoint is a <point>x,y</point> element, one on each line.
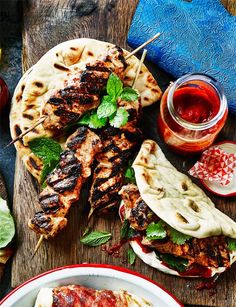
<point>45,24</point>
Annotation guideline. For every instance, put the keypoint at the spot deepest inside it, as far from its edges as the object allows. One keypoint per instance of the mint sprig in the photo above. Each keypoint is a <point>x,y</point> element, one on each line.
<point>108,111</point>
<point>96,238</point>
<point>178,263</point>
<point>48,151</point>
<point>129,174</point>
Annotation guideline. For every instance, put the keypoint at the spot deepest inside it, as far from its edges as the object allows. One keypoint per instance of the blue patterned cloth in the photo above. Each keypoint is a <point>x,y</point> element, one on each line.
<point>197,36</point>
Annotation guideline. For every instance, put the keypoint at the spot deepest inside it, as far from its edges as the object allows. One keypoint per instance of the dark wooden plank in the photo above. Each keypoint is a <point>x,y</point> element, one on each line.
<point>47,23</point>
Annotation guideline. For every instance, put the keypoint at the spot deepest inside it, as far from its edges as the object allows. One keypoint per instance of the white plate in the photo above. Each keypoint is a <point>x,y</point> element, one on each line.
<point>96,276</point>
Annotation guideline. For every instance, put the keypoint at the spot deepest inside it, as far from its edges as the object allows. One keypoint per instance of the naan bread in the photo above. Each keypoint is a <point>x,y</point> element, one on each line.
<point>50,73</point>
<point>175,198</point>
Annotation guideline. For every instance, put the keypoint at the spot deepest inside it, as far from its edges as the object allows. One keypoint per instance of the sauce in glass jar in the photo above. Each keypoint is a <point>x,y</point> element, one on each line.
<point>193,110</point>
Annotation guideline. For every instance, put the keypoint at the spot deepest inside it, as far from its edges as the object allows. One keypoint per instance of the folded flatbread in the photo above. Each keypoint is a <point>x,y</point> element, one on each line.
<point>168,199</point>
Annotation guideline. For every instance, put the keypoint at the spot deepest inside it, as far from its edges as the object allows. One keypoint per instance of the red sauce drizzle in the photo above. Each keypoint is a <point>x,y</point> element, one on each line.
<point>197,270</point>
<point>145,249</point>
<point>114,250</point>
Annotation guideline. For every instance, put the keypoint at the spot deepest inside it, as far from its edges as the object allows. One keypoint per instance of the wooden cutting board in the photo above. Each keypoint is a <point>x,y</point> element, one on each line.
<point>47,23</point>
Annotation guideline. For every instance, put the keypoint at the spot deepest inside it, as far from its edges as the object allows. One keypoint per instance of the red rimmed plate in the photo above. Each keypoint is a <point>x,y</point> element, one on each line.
<point>215,187</point>
<point>98,276</point>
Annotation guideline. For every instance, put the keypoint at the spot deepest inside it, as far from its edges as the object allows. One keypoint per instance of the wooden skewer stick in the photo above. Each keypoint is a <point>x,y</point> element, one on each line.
<point>143,45</point>
<point>40,241</point>
<point>41,119</point>
<point>139,67</point>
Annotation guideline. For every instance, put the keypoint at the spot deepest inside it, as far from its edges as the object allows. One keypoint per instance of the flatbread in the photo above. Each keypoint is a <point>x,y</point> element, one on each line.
<point>175,198</point>
<point>50,73</point>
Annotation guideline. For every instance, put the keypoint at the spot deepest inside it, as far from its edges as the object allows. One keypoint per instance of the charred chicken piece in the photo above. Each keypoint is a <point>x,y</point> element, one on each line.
<point>118,147</point>
<point>136,210</point>
<point>64,183</point>
<point>210,251</point>
<point>82,91</point>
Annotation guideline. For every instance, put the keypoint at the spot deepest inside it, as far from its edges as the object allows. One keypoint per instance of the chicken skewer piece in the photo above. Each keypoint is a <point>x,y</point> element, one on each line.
<point>72,93</point>
<point>64,183</point>
<point>118,147</point>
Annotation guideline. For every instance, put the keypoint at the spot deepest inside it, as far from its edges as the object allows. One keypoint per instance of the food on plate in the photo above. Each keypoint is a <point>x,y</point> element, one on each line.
<point>64,183</point>
<point>59,72</point>
<point>193,111</point>
<point>73,295</point>
<point>176,227</point>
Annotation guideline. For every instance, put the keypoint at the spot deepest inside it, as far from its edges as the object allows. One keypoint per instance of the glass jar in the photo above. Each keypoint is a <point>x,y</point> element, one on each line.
<point>193,110</point>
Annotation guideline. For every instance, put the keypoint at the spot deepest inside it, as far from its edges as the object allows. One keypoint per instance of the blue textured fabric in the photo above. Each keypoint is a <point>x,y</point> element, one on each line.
<point>197,36</point>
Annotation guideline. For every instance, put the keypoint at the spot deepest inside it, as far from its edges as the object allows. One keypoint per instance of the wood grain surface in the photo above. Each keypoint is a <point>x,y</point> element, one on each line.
<point>47,23</point>
<point>3,194</point>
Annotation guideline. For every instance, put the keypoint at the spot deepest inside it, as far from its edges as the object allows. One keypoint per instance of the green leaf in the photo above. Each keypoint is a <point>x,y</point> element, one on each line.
<point>48,151</point>
<point>124,229</point>
<point>96,122</point>
<point>231,244</point>
<point>96,238</point>
<point>129,94</point>
<point>131,256</point>
<point>120,118</point>
<point>106,108</point>
<point>114,86</point>
<point>173,262</point>
<point>178,237</point>
<point>84,120</point>
<point>130,175</point>
<point>7,226</point>
<point>156,231</point>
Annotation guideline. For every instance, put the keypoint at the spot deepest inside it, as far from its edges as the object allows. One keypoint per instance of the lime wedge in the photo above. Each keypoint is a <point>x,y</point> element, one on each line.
<point>7,226</point>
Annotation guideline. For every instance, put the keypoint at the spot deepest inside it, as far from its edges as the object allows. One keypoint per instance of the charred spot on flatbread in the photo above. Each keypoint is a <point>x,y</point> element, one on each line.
<point>34,164</point>
<point>194,206</point>
<point>74,48</point>
<point>90,53</point>
<point>19,97</point>
<point>60,67</point>
<point>38,84</point>
<point>184,186</point>
<point>28,116</point>
<point>181,218</point>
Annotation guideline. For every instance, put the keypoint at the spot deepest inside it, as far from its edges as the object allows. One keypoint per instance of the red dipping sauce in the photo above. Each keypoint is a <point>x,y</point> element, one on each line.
<point>193,111</point>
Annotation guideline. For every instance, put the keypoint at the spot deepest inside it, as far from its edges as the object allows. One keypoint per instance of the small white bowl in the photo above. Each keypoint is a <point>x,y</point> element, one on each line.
<point>97,276</point>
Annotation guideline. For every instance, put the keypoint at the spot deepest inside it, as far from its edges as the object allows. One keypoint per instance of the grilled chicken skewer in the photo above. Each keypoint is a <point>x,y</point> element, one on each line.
<point>61,107</point>
<point>212,251</point>
<point>118,147</point>
<point>64,183</point>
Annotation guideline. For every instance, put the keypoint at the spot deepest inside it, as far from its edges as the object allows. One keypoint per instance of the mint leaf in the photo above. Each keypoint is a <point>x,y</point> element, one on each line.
<point>120,119</point>
<point>95,122</point>
<point>178,237</point>
<point>173,262</point>
<point>106,108</point>
<point>7,226</point>
<point>124,229</point>
<point>129,94</point>
<point>48,151</point>
<point>114,86</point>
<point>130,175</point>
<point>131,256</point>
<point>231,244</point>
<point>156,231</point>
<point>84,120</point>
<point>96,238</point>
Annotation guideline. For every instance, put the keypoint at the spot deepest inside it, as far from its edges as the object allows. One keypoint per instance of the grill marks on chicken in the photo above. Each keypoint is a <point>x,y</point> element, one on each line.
<point>210,251</point>
<point>65,182</point>
<point>82,91</point>
<point>118,147</point>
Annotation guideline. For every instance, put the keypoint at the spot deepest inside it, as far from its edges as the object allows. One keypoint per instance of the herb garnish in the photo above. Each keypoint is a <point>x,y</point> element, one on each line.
<point>129,174</point>
<point>48,151</point>
<point>108,109</point>
<point>231,244</point>
<point>96,238</point>
<point>126,231</point>
<point>131,256</point>
<point>178,237</point>
<point>177,263</point>
<point>156,231</point>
